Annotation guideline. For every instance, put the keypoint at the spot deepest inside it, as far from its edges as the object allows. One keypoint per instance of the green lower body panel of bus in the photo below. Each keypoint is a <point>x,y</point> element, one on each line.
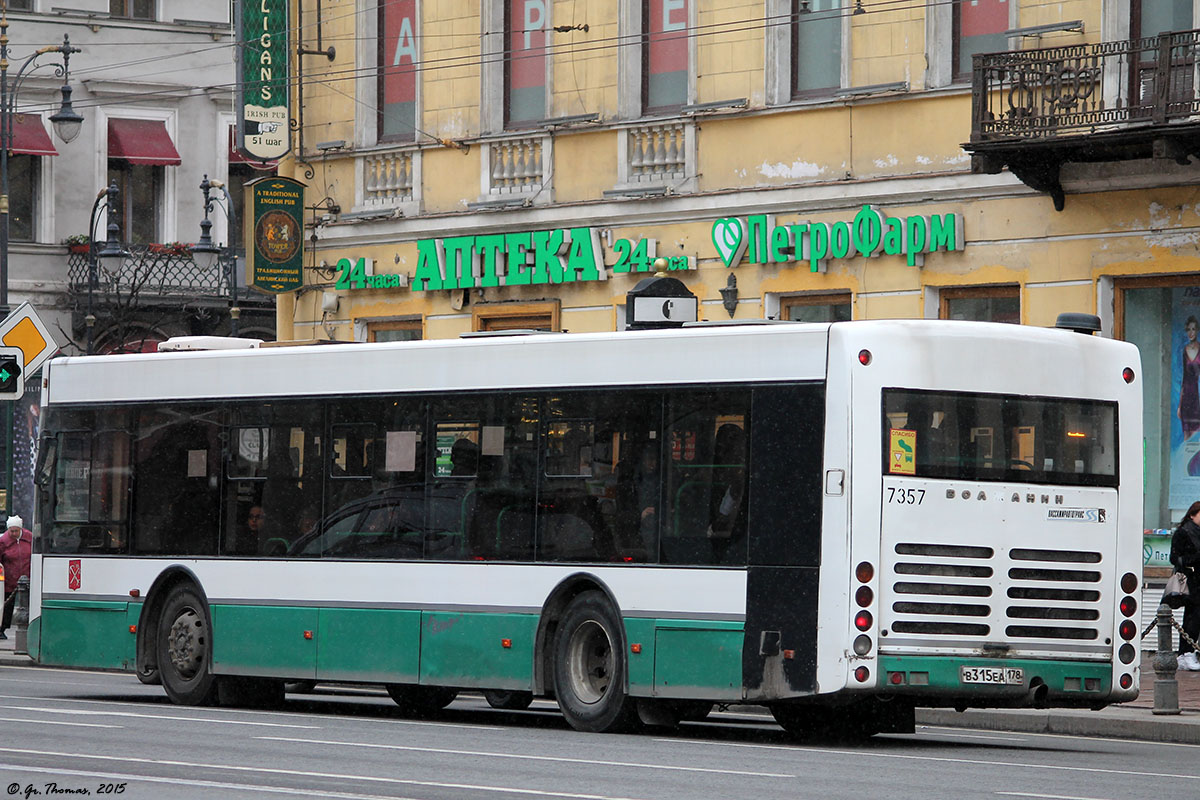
<point>699,659</point>
<point>996,681</point>
<point>87,633</point>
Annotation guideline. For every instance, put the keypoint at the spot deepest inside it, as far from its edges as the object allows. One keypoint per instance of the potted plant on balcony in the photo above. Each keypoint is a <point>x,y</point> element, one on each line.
<point>171,248</point>
<point>79,243</point>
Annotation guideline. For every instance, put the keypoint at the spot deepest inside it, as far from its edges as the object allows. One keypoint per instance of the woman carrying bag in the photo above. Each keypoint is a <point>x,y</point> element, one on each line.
<point>1185,557</point>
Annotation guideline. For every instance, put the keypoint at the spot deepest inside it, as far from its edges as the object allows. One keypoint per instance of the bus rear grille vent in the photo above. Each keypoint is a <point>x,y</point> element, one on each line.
<point>944,550</point>
<point>942,628</point>
<point>1061,604</point>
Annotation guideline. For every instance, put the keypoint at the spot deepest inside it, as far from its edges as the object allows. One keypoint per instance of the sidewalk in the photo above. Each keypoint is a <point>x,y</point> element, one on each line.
<point>1134,720</point>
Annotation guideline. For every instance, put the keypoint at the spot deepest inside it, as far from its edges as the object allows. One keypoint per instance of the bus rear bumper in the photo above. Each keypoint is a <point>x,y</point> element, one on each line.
<point>965,682</point>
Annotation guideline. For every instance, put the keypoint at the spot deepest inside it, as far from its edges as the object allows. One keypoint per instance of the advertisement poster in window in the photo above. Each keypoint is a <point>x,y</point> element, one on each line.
<point>1185,397</point>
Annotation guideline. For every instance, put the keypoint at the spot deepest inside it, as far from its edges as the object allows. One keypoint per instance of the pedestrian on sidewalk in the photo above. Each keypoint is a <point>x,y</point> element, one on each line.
<point>15,552</point>
<point>1185,557</point>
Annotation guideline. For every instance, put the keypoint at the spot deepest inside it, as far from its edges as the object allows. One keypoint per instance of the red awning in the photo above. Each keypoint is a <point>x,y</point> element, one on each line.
<point>237,158</point>
<point>30,137</point>
<point>142,141</point>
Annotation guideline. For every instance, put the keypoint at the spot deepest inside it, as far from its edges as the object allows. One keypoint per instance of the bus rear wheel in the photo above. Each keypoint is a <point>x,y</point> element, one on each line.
<point>183,649</point>
<point>508,700</point>
<point>589,668</point>
<point>420,701</point>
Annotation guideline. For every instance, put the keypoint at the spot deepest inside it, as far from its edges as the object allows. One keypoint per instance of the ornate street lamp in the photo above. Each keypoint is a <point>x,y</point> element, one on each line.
<point>66,121</point>
<point>112,255</point>
<point>207,254</point>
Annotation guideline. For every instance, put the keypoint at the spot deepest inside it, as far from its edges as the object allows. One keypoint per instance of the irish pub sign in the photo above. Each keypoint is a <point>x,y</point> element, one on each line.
<point>277,235</point>
<point>261,101</point>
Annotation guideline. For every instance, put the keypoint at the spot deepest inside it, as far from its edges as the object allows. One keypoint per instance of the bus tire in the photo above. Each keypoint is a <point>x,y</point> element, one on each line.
<point>590,669</point>
<point>508,700</point>
<point>184,649</point>
<point>420,701</point>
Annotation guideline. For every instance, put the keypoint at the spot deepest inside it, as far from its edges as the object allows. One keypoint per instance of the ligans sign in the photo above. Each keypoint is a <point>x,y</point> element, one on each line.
<point>262,91</point>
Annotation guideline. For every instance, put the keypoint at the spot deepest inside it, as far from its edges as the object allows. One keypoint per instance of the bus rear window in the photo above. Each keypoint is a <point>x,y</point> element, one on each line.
<point>997,437</point>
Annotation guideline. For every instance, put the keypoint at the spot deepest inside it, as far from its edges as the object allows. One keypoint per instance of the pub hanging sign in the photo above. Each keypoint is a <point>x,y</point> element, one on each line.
<point>261,99</point>
<point>277,240</point>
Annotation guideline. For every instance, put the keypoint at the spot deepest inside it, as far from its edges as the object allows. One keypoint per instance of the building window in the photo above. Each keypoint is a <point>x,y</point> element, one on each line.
<point>816,307</point>
<point>405,330</point>
<point>20,5</point>
<point>979,27</point>
<point>24,177</point>
<point>516,316</point>
<point>397,84</point>
<point>141,188</point>
<point>1161,315</point>
<point>131,9</point>
<point>665,48</point>
<point>981,303</point>
<point>816,46</point>
<point>525,62</point>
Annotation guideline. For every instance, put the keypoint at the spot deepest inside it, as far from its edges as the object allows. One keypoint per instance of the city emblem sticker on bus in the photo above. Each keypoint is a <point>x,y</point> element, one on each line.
<point>904,445</point>
<point>74,574</point>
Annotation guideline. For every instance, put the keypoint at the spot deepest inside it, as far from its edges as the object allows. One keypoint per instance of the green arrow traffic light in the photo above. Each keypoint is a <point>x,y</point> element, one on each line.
<point>10,375</point>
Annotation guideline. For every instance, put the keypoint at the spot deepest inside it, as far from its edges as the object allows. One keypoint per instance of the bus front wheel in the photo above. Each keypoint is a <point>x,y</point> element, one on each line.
<point>589,668</point>
<point>183,649</point>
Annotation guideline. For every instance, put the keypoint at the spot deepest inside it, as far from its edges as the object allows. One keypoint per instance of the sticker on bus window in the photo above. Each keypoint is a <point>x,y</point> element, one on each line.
<point>901,460</point>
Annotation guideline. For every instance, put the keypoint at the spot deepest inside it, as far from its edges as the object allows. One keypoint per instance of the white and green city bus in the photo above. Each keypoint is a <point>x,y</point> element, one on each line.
<point>838,521</point>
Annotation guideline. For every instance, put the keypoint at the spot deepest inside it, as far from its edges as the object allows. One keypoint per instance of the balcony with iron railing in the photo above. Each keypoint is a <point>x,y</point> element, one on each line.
<point>1034,110</point>
<point>150,271</point>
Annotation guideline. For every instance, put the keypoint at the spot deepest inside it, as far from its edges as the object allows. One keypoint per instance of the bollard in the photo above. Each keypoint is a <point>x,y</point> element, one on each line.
<point>1166,689</point>
<point>20,617</point>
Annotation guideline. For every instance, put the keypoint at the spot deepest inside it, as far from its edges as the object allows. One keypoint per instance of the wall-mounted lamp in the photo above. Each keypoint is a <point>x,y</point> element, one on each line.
<point>729,295</point>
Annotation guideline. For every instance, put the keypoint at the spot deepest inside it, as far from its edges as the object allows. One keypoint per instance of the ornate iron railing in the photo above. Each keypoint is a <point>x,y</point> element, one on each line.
<point>1084,89</point>
<point>151,272</point>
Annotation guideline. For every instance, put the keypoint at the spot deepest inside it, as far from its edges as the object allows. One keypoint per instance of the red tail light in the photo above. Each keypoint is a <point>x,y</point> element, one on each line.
<point>1126,681</point>
<point>864,572</point>
<point>861,674</point>
<point>863,620</point>
<point>864,357</point>
<point>1127,374</point>
<point>864,596</point>
<point>1128,606</point>
<point>1129,583</point>
<point>1128,630</point>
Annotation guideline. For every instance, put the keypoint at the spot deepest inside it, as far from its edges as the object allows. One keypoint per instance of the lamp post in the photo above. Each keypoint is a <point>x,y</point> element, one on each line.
<point>67,123</point>
<point>207,254</point>
<point>112,254</point>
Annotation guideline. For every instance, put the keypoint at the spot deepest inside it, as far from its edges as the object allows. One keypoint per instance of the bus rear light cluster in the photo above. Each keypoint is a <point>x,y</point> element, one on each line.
<point>863,620</point>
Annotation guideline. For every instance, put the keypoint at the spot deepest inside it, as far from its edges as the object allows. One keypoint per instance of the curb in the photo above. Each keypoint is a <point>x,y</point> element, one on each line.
<point>1115,723</point>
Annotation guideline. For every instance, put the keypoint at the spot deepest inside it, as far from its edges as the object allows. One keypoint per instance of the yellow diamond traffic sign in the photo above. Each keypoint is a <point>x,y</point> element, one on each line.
<point>25,330</point>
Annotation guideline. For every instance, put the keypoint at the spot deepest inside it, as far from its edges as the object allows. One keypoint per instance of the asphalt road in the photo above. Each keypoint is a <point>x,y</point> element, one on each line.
<point>69,733</point>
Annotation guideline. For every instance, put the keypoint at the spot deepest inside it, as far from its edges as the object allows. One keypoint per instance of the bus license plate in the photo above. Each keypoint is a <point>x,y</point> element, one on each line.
<point>997,675</point>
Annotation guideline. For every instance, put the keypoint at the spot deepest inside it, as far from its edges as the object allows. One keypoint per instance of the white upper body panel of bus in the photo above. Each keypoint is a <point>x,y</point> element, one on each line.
<point>690,356</point>
<point>950,355</point>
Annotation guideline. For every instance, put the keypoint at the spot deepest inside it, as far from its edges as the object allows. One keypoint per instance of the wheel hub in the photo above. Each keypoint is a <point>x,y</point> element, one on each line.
<point>590,662</point>
<point>185,643</point>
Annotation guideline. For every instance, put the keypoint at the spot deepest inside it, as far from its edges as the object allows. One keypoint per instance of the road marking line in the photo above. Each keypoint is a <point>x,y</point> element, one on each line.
<point>310,774</point>
<point>52,722</point>
<point>85,712</point>
<point>1070,736</point>
<point>240,787</point>
<point>336,715</point>
<point>938,759</point>
<point>560,759</point>
<point>1049,796</point>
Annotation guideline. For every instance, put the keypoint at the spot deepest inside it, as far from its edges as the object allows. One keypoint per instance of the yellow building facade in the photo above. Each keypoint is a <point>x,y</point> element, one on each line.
<point>485,164</point>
